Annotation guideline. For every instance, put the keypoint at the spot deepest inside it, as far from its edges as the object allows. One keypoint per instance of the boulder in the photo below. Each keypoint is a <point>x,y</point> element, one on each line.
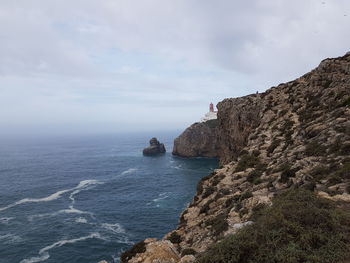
<point>155,148</point>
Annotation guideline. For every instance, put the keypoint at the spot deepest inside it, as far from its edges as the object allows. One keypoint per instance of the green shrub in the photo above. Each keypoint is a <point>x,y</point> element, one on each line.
<point>208,191</point>
<point>174,238</point>
<point>315,149</point>
<point>345,149</point>
<point>139,247</point>
<point>344,171</point>
<point>246,195</point>
<point>205,208</point>
<point>247,161</point>
<point>345,102</point>
<point>219,223</point>
<point>274,144</point>
<point>258,211</point>
<point>299,227</point>
<point>320,172</point>
<point>254,176</point>
<point>286,172</point>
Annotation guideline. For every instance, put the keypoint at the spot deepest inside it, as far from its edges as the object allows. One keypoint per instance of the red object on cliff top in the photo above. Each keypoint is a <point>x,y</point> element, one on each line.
<point>211,107</point>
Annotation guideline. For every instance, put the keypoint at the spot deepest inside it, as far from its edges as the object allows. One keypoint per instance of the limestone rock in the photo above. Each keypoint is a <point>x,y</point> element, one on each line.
<point>155,148</point>
<point>158,252</point>
<point>199,140</point>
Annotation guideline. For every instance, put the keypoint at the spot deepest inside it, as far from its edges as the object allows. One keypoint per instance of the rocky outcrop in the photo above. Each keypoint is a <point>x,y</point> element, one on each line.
<point>155,147</point>
<point>294,135</point>
<point>201,139</point>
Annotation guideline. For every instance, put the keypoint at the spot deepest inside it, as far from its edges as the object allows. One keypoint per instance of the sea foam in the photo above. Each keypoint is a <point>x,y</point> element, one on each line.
<point>44,255</point>
<point>129,171</point>
<point>57,195</point>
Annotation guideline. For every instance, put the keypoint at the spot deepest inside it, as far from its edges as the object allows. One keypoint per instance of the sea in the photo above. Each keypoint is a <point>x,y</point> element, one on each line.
<point>83,199</point>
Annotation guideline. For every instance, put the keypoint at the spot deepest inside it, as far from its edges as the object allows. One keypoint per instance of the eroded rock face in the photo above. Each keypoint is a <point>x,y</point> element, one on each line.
<point>201,139</point>
<point>295,134</point>
<point>155,148</point>
<point>158,252</point>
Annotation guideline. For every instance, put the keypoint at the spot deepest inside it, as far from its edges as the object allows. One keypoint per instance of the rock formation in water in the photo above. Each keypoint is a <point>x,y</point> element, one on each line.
<point>293,136</point>
<point>201,139</point>
<point>155,147</point>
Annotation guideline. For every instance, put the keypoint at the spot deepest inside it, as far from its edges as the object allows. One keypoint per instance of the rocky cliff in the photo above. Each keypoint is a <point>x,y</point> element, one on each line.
<point>295,135</point>
<point>201,139</point>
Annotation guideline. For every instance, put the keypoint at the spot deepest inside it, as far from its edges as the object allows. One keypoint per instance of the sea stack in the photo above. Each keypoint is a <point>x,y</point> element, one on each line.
<point>155,148</point>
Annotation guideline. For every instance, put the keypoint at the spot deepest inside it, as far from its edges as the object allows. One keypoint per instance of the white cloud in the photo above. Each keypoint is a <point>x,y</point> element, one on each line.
<point>158,57</point>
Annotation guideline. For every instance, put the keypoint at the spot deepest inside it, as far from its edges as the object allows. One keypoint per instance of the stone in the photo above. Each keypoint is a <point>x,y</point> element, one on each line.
<point>188,259</point>
<point>155,148</point>
<point>201,139</point>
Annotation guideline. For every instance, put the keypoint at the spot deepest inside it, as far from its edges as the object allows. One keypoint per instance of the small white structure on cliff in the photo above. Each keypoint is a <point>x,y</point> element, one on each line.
<point>211,115</point>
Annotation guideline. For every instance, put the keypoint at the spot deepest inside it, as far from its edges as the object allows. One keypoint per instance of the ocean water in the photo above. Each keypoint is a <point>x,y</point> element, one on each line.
<point>86,199</point>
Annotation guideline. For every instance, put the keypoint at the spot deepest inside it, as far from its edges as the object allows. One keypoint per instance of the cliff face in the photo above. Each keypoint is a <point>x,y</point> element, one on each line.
<point>294,135</point>
<point>201,139</point>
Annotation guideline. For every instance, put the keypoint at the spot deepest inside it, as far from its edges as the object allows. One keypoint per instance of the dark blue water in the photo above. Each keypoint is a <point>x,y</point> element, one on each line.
<point>86,199</point>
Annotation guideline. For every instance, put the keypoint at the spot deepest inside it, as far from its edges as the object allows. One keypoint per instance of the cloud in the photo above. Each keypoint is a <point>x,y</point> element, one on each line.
<point>80,61</point>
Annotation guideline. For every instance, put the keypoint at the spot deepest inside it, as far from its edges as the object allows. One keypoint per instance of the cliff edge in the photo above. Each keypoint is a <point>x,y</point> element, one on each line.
<point>201,139</point>
<point>285,158</point>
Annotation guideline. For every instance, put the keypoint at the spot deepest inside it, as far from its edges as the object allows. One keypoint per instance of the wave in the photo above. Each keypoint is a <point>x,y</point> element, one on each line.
<point>160,197</point>
<point>44,255</point>
<point>71,210</point>
<point>83,184</point>
<point>115,228</point>
<point>129,171</point>
<point>10,239</point>
<point>178,167</point>
<point>81,220</point>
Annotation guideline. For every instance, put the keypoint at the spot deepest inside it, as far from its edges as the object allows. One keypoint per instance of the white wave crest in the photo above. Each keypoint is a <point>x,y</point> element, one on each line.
<point>44,255</point>
<point>81,220</point>
<point>57,195</point>
<point>71,210</point>
<point>178,167</point>
<point>129,171</point>
<point>115,228</point>
<point>161,196</point>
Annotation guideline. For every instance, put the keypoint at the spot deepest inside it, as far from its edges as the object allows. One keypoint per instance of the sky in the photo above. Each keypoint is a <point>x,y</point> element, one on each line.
<point>109,66</point>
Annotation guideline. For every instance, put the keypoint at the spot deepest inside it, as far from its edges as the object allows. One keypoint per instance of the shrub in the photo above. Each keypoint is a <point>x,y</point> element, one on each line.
<point>286,172</point>
<point>246,195</point>
<point>174,238</point>
<point>254,176</point>
<point>247,161</point>
<point>205,208</point>
<point>299,227</point>
<point>139,247</point>
<point>258,211</point>
<point>218,223</point>
<point>320,172</point>
<point>344,171</point>
<point>315,149</point>
<point>208,191</point>
<point>345,102</point>
<point>345,149</point>
<point>274,144</point>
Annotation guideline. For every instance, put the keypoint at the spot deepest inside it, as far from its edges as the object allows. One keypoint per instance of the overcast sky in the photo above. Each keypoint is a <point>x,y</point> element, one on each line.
<point>92,66</point>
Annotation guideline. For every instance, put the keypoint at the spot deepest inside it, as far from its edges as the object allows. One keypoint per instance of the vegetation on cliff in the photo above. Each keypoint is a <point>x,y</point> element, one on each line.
<point>299,227</point>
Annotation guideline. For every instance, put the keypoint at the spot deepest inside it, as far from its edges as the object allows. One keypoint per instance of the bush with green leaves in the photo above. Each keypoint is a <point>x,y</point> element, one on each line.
<point>298,227</point>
